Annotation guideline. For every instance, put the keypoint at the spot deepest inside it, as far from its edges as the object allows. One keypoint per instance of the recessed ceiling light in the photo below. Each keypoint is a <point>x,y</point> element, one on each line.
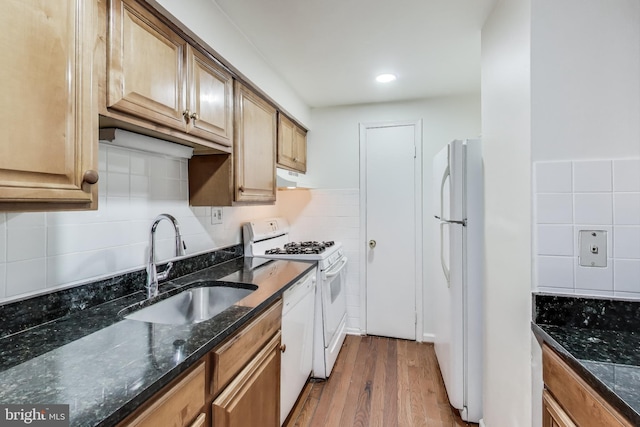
<point>386,78</point>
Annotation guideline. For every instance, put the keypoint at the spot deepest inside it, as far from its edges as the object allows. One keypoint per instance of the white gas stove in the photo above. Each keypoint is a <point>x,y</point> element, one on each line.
<point>269,238</point>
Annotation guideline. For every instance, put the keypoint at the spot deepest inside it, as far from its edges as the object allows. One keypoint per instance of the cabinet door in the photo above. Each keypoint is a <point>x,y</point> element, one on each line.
<point>252,399</point>
<point>254,147</point>
<point>292,145</point>
<point>552,414</point>
<point>47,112</point>
<point>300,149</point>
<point>145,66</point>
<point>210,99</point>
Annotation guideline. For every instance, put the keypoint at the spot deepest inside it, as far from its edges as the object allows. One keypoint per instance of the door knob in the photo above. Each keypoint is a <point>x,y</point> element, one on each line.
<point>372,244</point>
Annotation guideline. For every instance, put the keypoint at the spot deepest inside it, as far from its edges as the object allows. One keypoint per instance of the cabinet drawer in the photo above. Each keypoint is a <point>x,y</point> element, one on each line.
<point>579,400</point>
<point>176,406</point>
<point>230,357</point>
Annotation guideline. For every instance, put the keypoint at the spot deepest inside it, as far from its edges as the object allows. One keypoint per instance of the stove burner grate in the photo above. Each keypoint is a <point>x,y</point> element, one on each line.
<point>304,248</point>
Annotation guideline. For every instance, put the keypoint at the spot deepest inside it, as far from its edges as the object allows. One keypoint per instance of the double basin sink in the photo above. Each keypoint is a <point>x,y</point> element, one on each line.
<point>199,301</point>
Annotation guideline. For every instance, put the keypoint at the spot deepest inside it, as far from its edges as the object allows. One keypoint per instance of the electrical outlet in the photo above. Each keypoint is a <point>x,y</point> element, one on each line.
<point>216,216</point>
<point>593,248</point>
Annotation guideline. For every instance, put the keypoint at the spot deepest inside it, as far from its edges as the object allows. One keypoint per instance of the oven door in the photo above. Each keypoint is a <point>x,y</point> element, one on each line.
<point>334,298</point>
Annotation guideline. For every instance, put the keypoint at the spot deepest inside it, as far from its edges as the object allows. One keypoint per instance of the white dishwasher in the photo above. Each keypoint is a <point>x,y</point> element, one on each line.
<point>298,303</point>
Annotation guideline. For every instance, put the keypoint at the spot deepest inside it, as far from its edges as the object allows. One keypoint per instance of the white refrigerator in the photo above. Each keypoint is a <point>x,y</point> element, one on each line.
<point>458,273</point>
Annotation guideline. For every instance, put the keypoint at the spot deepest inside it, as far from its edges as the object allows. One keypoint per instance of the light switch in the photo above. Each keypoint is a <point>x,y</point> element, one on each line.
<point>593,248</point>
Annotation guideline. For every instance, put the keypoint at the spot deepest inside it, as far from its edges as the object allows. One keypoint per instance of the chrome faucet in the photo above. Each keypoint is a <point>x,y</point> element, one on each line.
<point>152,273</point>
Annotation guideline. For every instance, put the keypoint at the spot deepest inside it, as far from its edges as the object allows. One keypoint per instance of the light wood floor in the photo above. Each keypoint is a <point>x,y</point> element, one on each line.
<point>378,382</point>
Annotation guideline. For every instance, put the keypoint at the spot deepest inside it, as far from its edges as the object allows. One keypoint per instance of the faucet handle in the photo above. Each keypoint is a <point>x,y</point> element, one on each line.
<point>165,274</point>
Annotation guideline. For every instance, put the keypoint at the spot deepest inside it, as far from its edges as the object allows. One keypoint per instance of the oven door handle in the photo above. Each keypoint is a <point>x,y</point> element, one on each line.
<point>335,271</point>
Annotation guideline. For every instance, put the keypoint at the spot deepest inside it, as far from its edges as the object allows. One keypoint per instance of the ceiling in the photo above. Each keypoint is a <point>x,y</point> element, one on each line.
<point>330,51</point>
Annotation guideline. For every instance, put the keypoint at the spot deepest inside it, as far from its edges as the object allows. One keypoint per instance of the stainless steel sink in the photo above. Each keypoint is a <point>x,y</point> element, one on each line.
<point>192,305</point>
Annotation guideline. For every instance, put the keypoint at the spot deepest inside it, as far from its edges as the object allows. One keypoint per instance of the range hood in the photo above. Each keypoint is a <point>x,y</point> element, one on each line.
<point>286,179</point>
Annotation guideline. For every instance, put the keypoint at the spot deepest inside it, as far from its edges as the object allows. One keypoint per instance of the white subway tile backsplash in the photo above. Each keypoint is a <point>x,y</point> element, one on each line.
<point>117,184</point>
<point>626,175</point>
<point>70,247</point>
<point>592,176</point>
<point>626,208</point>
<point>593,208</point>
<point>118,160</point>
<point>139,186</point>
<point>173,169</point>
<point>555,240</point>
<point>139,163</point>
<point>3,281</point>
<point>556,272</point>
<point>3,243</point>
<point>24,243</point>
<point>626,241</point>
<point>595,278</point>
<point>627,275</point>
<point>553,177</point>
<point>27,219</point>
<point>554,209</point>
<point>25,276</point>
<point>605,196</point>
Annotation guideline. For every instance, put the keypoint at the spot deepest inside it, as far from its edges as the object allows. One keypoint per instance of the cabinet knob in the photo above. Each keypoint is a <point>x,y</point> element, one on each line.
<point>241,188</point>
<point>90,176</point>
<point>187,115</point>
<point>283,348</point>
<point>372,244</point>
<point>194,116</point>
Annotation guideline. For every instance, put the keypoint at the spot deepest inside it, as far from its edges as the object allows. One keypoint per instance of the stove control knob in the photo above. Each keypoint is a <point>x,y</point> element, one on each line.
<point>372,244</point>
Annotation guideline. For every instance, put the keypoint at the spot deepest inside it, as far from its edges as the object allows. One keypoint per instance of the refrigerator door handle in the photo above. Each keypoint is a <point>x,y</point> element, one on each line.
<point>445,269</point>
<point>445,175</point>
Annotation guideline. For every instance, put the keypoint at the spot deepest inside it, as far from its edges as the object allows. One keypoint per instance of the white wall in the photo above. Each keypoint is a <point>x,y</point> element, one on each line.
<point>210,24</point>
<point>506,132</point>
<point>333,152</point>
<point>584,79</point>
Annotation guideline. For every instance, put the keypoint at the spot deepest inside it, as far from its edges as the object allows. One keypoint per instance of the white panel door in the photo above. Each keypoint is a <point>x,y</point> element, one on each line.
<point>390,192</point>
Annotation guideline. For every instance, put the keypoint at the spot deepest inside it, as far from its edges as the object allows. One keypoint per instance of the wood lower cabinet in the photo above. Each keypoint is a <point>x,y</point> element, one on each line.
<point>292,145</point>
<point>254,147</point>
<point>552,413</point>
<point>157,83</point>
<point>568,401</point>
<point>180,404</point>
<point>252,399</point>
<point>236,384</point>
<point>48,111</point>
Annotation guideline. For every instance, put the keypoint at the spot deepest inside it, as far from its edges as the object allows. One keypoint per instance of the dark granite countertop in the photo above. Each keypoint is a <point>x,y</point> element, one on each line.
<point>600,340</point>
<point>104,366</point>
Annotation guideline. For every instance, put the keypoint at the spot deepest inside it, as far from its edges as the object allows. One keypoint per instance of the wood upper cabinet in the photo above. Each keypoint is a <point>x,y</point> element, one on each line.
<point>253,397</point>
<point>254,147</point>
<point>210,99</point>
<point>48,112</point>
<point>292,145</point>
<point>155,76</point>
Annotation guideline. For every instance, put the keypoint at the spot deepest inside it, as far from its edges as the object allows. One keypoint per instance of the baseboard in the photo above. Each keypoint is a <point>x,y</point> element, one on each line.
<point>353,331</point>
<point>482,424</point>
<point>427,337</point>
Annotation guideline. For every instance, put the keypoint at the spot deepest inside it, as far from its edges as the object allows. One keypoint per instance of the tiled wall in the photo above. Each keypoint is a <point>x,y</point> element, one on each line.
<point>42,251</point>
<point>329,215</point>
<point>587,195</point>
